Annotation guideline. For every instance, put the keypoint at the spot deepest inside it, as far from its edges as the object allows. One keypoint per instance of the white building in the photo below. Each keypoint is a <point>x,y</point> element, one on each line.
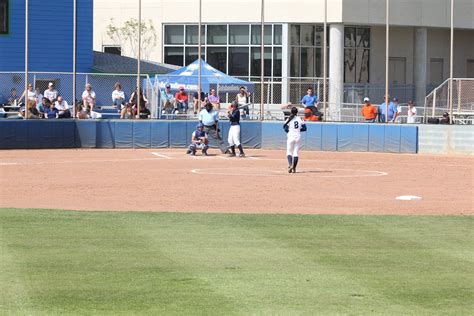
<point>419,40</point>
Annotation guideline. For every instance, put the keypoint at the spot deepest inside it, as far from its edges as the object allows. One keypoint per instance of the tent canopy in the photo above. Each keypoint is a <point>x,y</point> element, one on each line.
<point>210,78</point>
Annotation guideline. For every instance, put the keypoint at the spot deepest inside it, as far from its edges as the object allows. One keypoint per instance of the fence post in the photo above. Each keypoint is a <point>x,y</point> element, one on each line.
<point>459,94</point>
<point>434,103</point>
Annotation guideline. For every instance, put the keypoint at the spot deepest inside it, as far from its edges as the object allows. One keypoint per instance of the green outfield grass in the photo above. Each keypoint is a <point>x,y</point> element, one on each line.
<point>55,262</point>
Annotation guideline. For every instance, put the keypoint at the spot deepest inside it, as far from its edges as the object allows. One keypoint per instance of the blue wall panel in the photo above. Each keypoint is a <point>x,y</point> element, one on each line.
<point>314,136</point>
<point>251,134</point>
<point>105,134</point>
<point>392,138</point>
<point>409,139</point>
<point>329,137</point>
<point>13,134</point>
<point>141,134</point>
<point>360,137</point>
<point>60,28</point>
<point>178,134</point>
<point>159,134</point>
<point>344,137</point>
<point>124,134</point>
<point>273,136</point>
<point>376,137</point>
<point>86,134</point>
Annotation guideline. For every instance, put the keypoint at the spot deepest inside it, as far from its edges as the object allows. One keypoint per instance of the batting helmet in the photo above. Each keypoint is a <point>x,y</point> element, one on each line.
<point>294,111</point>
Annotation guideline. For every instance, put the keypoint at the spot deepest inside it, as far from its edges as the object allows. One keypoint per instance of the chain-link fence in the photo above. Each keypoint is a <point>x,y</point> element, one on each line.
<point>438,101</point>
<point>102,85</point>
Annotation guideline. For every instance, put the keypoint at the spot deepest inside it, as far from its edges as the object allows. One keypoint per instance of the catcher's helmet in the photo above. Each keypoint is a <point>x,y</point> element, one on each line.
<point>200,125</point>
<point>294,111</point>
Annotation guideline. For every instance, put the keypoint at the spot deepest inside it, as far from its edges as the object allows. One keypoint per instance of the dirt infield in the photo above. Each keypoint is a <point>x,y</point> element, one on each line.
<point>168,180</point>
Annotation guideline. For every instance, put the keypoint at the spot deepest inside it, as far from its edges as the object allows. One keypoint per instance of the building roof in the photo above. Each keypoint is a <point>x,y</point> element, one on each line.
<point>111,63</point>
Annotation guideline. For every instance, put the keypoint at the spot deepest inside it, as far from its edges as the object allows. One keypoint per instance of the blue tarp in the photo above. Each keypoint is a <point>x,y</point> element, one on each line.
<point>210,78</point>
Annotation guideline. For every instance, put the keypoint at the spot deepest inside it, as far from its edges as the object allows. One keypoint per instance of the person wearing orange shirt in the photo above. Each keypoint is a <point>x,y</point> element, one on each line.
<point>369,112</point>
<point>309,116</point>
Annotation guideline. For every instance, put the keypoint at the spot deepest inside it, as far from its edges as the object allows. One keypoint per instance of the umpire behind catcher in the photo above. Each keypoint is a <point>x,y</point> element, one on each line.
<point>210,119</point>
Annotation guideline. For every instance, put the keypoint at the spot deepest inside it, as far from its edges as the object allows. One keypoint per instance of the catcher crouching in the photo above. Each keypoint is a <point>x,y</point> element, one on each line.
<point>199,141</point>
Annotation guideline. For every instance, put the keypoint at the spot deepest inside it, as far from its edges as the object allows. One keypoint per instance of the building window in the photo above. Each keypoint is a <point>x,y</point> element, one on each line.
<point>116,50</point>
<point>4,17</point>
<point>231,48</point>
<point>356,54</point>
<point>306,50</point>
<point>436,71</point>
<point>470,68</point>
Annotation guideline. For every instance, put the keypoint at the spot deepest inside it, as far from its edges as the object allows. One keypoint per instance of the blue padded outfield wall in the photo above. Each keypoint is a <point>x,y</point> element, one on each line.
<point>19,134</point>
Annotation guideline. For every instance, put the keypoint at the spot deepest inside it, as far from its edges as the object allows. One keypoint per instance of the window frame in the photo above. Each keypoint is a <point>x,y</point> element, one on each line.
<point>7,18</point>
<point>357,48</point>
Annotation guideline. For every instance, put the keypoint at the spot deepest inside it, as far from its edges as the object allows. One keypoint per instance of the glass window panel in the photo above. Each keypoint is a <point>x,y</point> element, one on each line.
<point>256,62</point>
<point>238,61</point>
<point>191,54</point>
<point>239,34</point>
<point>192,34</point>
<point>295,62</point>
<point>217,34</point>
<point>174,34</point>
<point>4,16</point>
<point>363,37</point>
<point>307,62</point>
<point>256,30</point>
<point>319,34</point>
<point>349,37</point>
<point>174,56</point>
<point>307,35</point>
<point>217,57</point>
<point>318,63</point>
<point>362,65</point>
<point>349,65</point>
<point>277,36</point>
<point>295,34</point>
<point>277,58</point>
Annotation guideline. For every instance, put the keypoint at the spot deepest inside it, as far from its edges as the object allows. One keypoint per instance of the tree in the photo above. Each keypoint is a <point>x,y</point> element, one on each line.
<point>127,37</point>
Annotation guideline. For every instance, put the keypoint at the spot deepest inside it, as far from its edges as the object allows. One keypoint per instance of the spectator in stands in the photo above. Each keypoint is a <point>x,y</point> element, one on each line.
<point>144,112</point>
<point>397,118</point>
<point>51,93</point>
<point>181,101</point>
<point>392,111</point>
<point>309,116</point>
<point>411,119</point>
<point>310,101</point>
<point>167,100</point>
<point>38,95</point>
<point>214,99</point>
<point>118,97</point>
<point>138,93</point>
<point>13,100</point>
<point>62,107</point>
<point>28,94</point>
<point>127,112</point>
<point>445,119</point>
<point>42,104</point>
<point>197,105</point>
<point>88,98</point>
<point>243,98</point>
<point>369,112</point>
<point>33,112</point>
<point>50,112</point>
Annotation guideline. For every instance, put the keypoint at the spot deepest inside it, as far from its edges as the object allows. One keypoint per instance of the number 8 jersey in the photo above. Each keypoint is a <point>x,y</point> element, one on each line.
<point>294,127</point>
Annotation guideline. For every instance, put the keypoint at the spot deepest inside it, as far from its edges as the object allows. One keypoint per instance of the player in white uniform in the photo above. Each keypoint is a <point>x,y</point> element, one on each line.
<point>293,127</point>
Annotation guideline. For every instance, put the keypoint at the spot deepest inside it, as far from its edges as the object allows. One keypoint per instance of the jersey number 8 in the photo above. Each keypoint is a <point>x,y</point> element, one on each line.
<point>297,125</point>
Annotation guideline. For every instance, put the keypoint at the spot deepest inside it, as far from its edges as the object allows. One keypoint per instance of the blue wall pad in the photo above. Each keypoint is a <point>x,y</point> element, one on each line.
<point>409,139</point>
<point>13,134</point>
<point>224,127</point>
<point>105,134</point>
<point>376,137</point>
<point>86,134</point>
<point>159,134</point>
<point>273,136</point>
<point>51,134</point>
<point>251,134</point>
<point>392,138</point>
<point>141,134</point>
<point>360,137</point>
<point>178,134</point>
<point>344,137</point>
<point>313,139</point>
<point>329,137</point>
<point>124,134</point>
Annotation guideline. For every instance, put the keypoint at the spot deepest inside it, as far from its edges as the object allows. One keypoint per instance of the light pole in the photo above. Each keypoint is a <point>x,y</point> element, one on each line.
<point>199,55</point>
<point>137,93</point>
<point>26,59</point>
<point>325,60</point>
<point>262,61</point>
<point>387,55</point>
<point>74,56</point>
<point>451,62</point>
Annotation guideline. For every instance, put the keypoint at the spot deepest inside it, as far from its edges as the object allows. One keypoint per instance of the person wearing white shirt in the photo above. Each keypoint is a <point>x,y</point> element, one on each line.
<point>88,98</point>
<point>62,107</point>
<point>29,94</point>
<point>118,96</point>
<point>411,119</point>
<point>51,93</point>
